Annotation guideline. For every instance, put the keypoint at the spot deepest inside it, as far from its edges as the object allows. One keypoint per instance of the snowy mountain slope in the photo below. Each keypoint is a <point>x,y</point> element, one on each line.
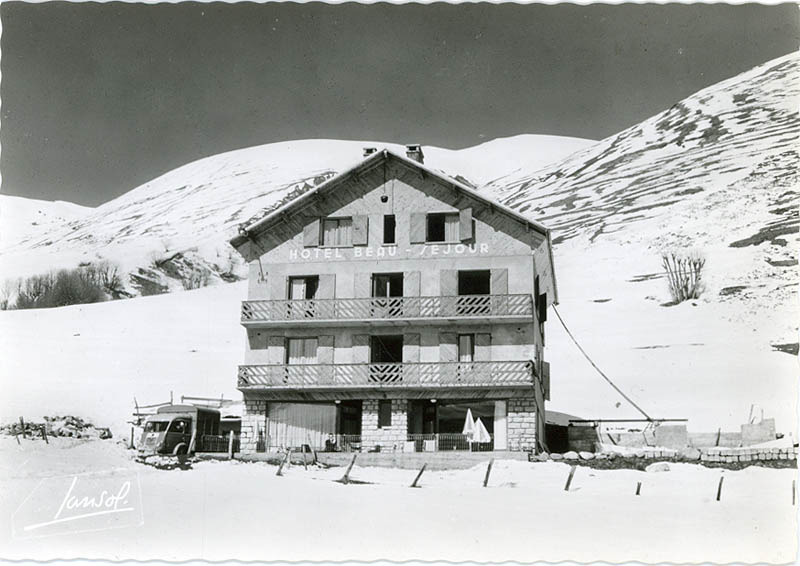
<point>195,209</point>
<point>20,217</point>
<point>716,172</point>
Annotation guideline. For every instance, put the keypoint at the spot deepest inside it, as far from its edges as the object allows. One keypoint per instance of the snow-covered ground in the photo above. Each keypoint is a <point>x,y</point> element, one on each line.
<point>234,510</point>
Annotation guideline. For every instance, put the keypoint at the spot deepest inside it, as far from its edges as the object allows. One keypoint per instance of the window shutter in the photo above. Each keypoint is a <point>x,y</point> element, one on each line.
<point>276,349</point>
<point>362,285</point>
<point>448,347</point>
<point>465,224</point>
<point>410,348</point>
<point>327,286</point>
<point>499,282</point>
<point>417,227</point>
<point>448,282</point>
<point>542,300</point>
<point>360,348</point>
<point>360,230</point>
<point>311,234</point>
<point>483,347</point>
<point>411,283</point>
<point>546,379</point>
<point>325,352</point>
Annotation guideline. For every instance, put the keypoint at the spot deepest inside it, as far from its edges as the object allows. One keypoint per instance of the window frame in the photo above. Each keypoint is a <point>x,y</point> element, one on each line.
<point>443,216</point>
<point>394,230</point>
<point>384,413</point>
<point>337,219</point>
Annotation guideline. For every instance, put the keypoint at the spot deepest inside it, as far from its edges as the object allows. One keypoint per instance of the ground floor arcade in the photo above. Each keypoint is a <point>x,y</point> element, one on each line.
<point>397,425</point>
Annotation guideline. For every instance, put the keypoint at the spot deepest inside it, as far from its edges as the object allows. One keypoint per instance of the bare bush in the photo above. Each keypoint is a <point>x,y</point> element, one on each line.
<point>684,275</point>
<point>110,279</point>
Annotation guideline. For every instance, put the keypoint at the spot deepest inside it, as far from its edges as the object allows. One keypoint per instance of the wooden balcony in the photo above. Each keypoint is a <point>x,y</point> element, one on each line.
<point>428,379</point>
<point>388,311</point>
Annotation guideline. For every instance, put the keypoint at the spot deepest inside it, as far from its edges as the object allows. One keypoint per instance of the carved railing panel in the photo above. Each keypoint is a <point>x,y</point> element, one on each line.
<point>387,308</point>
<point>434,374</point>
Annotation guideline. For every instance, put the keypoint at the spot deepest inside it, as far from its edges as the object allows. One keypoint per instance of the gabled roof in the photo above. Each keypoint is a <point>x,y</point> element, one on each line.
<point>252,229</point>
<point>255,227</point>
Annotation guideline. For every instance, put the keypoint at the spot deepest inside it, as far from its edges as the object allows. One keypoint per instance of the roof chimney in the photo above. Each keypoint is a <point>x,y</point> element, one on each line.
<point>369,151</point>
<point>414,151</point>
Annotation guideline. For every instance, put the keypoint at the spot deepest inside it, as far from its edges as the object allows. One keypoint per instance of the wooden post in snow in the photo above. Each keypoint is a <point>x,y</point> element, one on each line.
<point>283,463</point>
<point>230,445</point>
<point>346,477</point>
<point>133,443</point>
<point>488,471</point>
<point>419,475</point>
<point>16,435</point>
<point>44,434</point>
<point>313,451</point>
<point>22,424</point>
<point>569,478</point>
<point>638,487</point>
<point>719,488</point>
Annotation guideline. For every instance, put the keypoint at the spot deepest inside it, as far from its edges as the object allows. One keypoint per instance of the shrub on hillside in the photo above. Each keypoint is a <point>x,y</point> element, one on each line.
<point>684,275</point>
<point>89,283</point>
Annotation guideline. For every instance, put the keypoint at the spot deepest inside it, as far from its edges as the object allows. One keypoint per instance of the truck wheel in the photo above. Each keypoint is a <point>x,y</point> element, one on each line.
<point>180,450</point>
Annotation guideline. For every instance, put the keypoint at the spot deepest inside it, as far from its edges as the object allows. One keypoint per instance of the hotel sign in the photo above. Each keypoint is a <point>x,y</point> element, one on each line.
<point>380,252</point>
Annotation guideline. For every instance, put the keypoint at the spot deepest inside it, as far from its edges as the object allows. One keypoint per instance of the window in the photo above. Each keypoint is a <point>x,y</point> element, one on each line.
<point>389,225</point>
<point>384,413</point>
<point>302,288</point>
<point>466,347</point>
<point>301,351</point>
<point>337,232</point>
<point>442,228</point>
<point>179,426</point>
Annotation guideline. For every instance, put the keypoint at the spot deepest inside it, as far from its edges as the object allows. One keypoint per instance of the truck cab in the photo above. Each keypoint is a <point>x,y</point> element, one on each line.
<point>177,429</point>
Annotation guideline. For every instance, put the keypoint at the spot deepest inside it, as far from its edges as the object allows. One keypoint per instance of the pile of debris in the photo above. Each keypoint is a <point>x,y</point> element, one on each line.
<point>66,426</point>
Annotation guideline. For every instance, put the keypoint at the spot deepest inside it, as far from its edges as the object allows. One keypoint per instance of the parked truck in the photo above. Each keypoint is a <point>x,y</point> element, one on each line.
<point>177,429</point>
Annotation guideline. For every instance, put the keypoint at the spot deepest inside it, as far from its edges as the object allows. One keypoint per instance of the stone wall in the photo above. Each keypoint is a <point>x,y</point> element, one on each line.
<point>522,424</point>
<point>389,437</point>
<point>254,421</point>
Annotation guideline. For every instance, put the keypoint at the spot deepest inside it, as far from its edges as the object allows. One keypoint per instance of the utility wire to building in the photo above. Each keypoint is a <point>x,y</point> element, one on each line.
<point>594,365</point>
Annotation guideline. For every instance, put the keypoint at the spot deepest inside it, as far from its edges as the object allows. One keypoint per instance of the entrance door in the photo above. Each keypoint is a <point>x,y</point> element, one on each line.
<point>473,289</point>
<point>386,357</point>
<point>385,286</point>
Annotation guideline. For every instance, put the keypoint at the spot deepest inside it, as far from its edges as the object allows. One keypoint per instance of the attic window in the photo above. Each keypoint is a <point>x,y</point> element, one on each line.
<point>442,228</point>
<point>337,232</point>
<point>389,225</point>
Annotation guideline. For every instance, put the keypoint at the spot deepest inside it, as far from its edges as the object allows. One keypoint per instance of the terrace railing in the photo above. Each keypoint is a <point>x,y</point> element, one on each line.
<point>459,306</point>
<point>433,374</point>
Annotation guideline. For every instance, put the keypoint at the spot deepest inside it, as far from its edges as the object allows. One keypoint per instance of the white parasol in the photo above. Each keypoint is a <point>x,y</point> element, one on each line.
<point>481,434</point>
<point>469,425</point>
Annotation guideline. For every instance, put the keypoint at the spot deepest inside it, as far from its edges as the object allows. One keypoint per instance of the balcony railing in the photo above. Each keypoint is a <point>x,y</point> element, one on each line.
<point>435,374</point>
<point>459,306</point>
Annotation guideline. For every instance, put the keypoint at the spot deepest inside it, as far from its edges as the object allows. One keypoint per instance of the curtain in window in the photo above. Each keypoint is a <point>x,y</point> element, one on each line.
<point>302,351</point>
<point>338,232</point>
<point>451,228</point>
<point>466,348</point>
<point>295,424</point>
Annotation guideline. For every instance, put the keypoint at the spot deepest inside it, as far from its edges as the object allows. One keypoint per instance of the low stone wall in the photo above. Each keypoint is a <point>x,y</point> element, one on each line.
<point>717,454</point>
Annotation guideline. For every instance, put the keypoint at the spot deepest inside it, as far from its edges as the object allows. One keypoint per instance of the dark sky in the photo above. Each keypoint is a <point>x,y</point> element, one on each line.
<point>99,98</point>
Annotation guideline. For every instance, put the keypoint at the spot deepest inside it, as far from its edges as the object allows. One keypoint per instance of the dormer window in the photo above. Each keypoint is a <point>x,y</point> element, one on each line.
<point>442,227</point>
<point>337,232</point>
